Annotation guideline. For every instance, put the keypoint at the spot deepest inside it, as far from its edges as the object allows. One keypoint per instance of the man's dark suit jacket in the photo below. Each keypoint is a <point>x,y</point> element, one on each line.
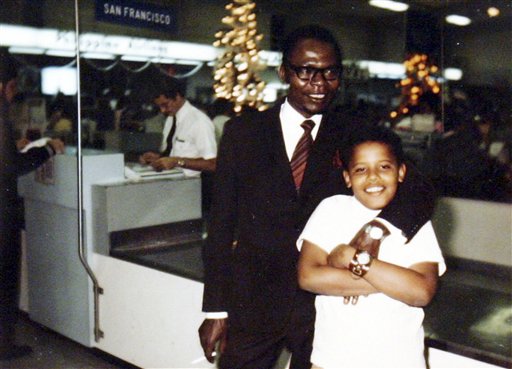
<point>255,204</point>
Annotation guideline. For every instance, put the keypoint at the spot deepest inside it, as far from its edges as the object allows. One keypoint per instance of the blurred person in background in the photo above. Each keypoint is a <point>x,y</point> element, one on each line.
<point>13,164</point>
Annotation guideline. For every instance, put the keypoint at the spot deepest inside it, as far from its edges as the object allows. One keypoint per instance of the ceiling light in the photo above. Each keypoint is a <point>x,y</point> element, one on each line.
<point>458,20</point>
<point>493,12</point>
<point>452,74</point>
<point>394,6</point>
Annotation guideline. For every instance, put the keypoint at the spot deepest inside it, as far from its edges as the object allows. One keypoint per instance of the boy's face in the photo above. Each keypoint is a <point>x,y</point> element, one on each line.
<point>373,174</point>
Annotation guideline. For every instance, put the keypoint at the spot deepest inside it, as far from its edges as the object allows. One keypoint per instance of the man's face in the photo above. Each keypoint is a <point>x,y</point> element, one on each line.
<point>167,105</point>
<point>311,96</point>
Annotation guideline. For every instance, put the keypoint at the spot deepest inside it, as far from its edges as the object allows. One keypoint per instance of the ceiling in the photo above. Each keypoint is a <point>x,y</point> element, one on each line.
<point>475,9</point>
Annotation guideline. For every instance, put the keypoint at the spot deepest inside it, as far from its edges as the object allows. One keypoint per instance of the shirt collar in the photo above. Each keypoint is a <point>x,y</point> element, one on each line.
<point>289,114</point>
<point>180,113</point>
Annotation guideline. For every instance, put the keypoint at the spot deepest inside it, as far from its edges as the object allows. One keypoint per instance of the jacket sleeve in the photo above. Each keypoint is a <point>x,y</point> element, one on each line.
<point>218,248</point>
<point>413,204</point>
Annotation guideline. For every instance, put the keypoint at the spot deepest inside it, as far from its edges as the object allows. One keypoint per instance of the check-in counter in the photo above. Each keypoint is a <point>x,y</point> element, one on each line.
<point>59,290</point>
<point>147,317</point>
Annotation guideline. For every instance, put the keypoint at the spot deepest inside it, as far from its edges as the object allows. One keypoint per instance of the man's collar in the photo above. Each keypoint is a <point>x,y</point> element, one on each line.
<point>182,110</point>
<point>289,111</point>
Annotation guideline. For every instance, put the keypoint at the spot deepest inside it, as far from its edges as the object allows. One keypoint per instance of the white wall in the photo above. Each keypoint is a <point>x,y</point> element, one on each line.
<point>475,230</point>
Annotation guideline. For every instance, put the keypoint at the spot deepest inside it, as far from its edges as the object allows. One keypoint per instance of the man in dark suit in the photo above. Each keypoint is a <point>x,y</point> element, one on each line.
<point>259,210</point>
<point>13,164</point>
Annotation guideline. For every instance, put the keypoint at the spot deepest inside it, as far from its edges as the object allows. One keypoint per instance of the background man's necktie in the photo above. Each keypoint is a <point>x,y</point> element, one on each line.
<point>300,155</point>
<point>168,148</point>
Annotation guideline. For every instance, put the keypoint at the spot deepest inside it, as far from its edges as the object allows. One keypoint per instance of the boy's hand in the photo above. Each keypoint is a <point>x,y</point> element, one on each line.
<point>340,256</point>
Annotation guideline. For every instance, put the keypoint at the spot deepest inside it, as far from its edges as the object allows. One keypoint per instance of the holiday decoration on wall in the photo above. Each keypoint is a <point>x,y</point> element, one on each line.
<point>236,70</point>
<point>421,77</point>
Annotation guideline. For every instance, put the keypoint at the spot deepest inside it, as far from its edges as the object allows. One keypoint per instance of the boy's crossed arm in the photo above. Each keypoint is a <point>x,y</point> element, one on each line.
<point>329,274</point>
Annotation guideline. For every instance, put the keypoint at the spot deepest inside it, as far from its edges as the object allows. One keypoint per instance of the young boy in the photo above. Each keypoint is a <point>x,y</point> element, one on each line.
<point>387,285</point>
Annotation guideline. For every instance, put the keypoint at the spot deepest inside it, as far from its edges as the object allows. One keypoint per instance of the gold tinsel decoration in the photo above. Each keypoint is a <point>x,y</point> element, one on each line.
<point>420,78</point>
<point>236,70</point>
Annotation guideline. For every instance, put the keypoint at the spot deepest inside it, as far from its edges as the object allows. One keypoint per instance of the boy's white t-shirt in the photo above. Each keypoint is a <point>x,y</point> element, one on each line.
<point>377,332</point>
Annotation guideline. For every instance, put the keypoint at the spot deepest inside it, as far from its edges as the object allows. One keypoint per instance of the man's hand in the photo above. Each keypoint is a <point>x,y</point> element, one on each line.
<point>57,145</point>
<point>370,237</point>
<point>21,143</point>
<point>211,332</point>
<point>148,157</point>
<point>165,163</point>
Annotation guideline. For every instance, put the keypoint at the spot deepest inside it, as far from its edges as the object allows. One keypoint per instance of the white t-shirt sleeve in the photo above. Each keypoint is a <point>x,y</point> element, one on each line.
<point>424,247</point>
<point>320,226</point>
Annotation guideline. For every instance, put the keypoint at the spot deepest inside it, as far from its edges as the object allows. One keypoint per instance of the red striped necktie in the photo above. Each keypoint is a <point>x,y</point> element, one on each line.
<point>300,155</point>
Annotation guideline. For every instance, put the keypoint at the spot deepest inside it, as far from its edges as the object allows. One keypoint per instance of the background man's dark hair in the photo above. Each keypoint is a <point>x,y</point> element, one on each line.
<point>170,88</point>
<point>8,67</point>
<point>372,134</point>
<point>310,32</point>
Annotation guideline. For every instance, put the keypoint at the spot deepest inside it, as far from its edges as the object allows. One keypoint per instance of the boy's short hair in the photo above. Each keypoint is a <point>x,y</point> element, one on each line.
<point>365,133</point>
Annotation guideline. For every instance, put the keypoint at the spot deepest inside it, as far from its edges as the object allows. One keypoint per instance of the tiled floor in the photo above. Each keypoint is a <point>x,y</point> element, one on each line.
<point>54,351</point>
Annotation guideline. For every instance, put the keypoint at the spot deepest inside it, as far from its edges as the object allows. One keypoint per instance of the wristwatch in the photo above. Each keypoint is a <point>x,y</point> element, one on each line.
<point>181,163</point>
<point>375,232</point>
<point>360,263</point>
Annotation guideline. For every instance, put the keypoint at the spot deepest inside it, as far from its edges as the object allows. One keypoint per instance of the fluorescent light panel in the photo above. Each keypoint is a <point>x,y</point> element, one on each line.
<point>26,50</point>
<point>394,6</point>
<point>104,56</point>
<point>135,58</point>
<point>458,20</point>
<point>59,79</point>
<point>62,53</point>
<point>383,69</point>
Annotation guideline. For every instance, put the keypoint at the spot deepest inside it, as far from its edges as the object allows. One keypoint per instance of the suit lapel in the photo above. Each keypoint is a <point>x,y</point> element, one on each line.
<point>278,159</point>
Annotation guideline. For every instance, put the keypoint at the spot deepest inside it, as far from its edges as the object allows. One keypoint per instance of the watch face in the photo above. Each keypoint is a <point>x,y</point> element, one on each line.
<point>363,257</point>
<point>376,233</point>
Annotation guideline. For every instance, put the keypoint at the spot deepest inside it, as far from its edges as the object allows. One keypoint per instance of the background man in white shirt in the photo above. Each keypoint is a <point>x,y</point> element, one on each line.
<point>188,137</point>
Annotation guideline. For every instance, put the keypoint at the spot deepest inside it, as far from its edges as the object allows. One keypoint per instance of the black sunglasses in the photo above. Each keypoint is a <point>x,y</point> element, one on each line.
<point>308,73</point>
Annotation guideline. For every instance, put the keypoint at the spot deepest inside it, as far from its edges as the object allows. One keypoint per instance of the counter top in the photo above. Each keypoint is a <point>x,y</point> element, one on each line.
<point>471,314</point>
<point>182,260</point>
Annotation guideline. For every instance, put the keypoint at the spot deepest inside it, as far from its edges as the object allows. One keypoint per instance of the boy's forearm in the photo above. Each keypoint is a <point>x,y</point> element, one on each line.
<point>328,280</point>
<point>414,286</point>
